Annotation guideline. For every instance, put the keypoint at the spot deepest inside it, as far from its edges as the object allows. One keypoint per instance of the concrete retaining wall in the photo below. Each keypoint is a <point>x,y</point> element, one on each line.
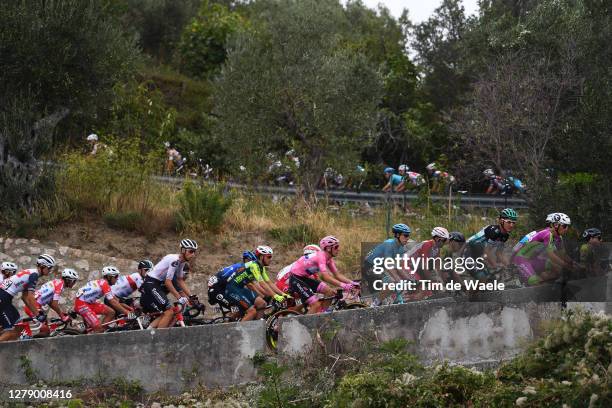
<point>170,359</point>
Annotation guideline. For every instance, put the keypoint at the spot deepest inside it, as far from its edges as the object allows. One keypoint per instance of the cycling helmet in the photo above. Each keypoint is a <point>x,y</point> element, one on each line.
<point>70,274</point>
<point>166,145</point>
<point>440,232</point>
<point>401,229</point>
<point>586,235</point>
<point>328,241</point>
<point>249,256</point>
<point>508,214</point>
<point>145,264</point>
<point>46,261</point>
<point>550,217</point>
<point>404,167</point>
<point>9,266</point>
<point>431,166</point>
<point>561,218</point>
<point>389,170</point>
<point>456,236</point>
<point>311,249</point>
<point>488,173</point>
<point>92,138</point>
<point>189,244</point>
<point>263,250</point>
<point>110,271</point>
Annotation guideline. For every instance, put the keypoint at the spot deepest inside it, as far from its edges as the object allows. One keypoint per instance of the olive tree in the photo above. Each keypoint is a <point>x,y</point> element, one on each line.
<point>292,83</point>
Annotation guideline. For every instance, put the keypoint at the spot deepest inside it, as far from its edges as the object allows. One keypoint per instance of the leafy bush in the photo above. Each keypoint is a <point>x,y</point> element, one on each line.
<point>294,234</point>
<point>202,208</point>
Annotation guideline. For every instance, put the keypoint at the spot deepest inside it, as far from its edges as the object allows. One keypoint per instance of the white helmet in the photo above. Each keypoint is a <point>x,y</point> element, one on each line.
<point>70,274</point>
<point>550,217</point>
<point>488,173</point>
<point>189,244</point>
<point>92,138</point>
<point>403,167</point>
<point>263,250</point>
<point>110,271</point>
<point>431,166</point>
<point>440,232</point>
<point>561,218</point>
<point>9,266</point>
<point>166,144</point>
<point>46,261</point>
<point>311,249</point>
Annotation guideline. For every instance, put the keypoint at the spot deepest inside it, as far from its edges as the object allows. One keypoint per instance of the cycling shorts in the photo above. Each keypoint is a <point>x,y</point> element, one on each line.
<point>216,295</point>
<point>240,296</point>
<point>9,315</point>
<point>90,311</point>
<point>124,301</point>
<point>154,298</point>
<point>305,287</point>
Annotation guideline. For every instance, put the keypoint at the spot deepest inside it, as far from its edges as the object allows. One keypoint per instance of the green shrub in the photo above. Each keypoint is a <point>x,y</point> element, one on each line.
<point>300,233</point>
<point>202,208</point>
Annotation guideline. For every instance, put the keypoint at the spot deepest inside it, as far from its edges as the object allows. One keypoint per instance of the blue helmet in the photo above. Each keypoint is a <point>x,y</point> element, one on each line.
<point>401,229</point>
<point>249,256</point>
<point>389,170</point>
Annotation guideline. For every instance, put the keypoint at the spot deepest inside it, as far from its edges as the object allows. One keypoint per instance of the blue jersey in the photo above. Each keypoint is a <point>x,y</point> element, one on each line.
<point>387,249</point>
<point>226,273</point>
<point>395,179</point>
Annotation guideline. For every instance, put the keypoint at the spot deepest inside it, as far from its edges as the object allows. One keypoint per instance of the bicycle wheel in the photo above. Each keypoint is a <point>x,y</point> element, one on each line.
<point>272,327</point>
<point>353,306</point>
<point>222,319</point>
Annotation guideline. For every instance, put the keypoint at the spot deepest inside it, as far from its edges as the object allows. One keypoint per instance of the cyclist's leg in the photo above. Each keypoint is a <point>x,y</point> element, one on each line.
<point>306,293</point>
<point>89,315</point>
<point>9,317</point>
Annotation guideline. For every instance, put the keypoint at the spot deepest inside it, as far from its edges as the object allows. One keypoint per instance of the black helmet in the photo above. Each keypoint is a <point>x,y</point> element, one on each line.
<point>456,236</point>
<point>145,264</point>
<point>591,233</point>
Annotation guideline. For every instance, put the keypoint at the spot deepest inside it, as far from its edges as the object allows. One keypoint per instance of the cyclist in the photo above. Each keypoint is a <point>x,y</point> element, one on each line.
<point>403,169</point>
<point>218,282</point>
<point>395,182</point>
<point>282,279</point>
<point>126,285</point>
<point>428,251</point>
<point>258,268</point>
<point>439,178</point>
<point>542,258</point>
<point>154,298</point>
<point>416,180</point>
<point>454,249</point>
<point>302,282</point>
<point>496,183</point>
<point>50,293</point>
<point>8,269</point>
<point>23,282</point>
<point>592,254</point>
<point>87,305</point>
<point>243,290</point>
<point>528,236</point>
<point>489,242</point>
<point>389,248</point>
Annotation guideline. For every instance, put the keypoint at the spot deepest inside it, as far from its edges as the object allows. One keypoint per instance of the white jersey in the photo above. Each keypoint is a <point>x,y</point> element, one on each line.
<point>49,292</point>
<point>22,281</point>
<point>94,290</point>
<point>167,268</point>
<point>284,272</point>
<point>127,284</point>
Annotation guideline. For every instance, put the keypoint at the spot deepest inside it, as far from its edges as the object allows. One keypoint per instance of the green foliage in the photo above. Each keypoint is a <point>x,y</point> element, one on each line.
<point>202,49</point>
<point>292,84</point>
<point>116,179</point>
<point>292,234</point>
<point>275,393</point>
<point>45,213</point>
<point>126,221</point>
<point>30,373</point>
<point>202,208</point>
<point>129,388</point>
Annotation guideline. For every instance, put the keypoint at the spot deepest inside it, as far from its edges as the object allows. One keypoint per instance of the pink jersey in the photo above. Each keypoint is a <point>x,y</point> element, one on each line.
<point>311,264</point>
<point>49,292</point>
<point>94,290</point>
<point>127,284</point>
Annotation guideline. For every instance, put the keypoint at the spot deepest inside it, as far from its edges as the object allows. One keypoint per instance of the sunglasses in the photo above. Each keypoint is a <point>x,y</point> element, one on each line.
<point>564,226</point>
<point>510,222</point>
<point>191,251</point>
<point>336,247</point>
<point>405,235</point>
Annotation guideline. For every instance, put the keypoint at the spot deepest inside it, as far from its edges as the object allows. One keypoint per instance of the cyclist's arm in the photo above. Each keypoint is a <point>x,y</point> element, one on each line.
<point>171,288</point>
<point>340,277</point>
<point>331,279</point>
<point>273,288</point>
<point>30,301</point>
<point>387,186</point>
<point>255,287</point>
<point>491,256</point>
<point>183,286</point>
<point>117,306</point>
<point>401,186</point>
<point>54,305</point>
